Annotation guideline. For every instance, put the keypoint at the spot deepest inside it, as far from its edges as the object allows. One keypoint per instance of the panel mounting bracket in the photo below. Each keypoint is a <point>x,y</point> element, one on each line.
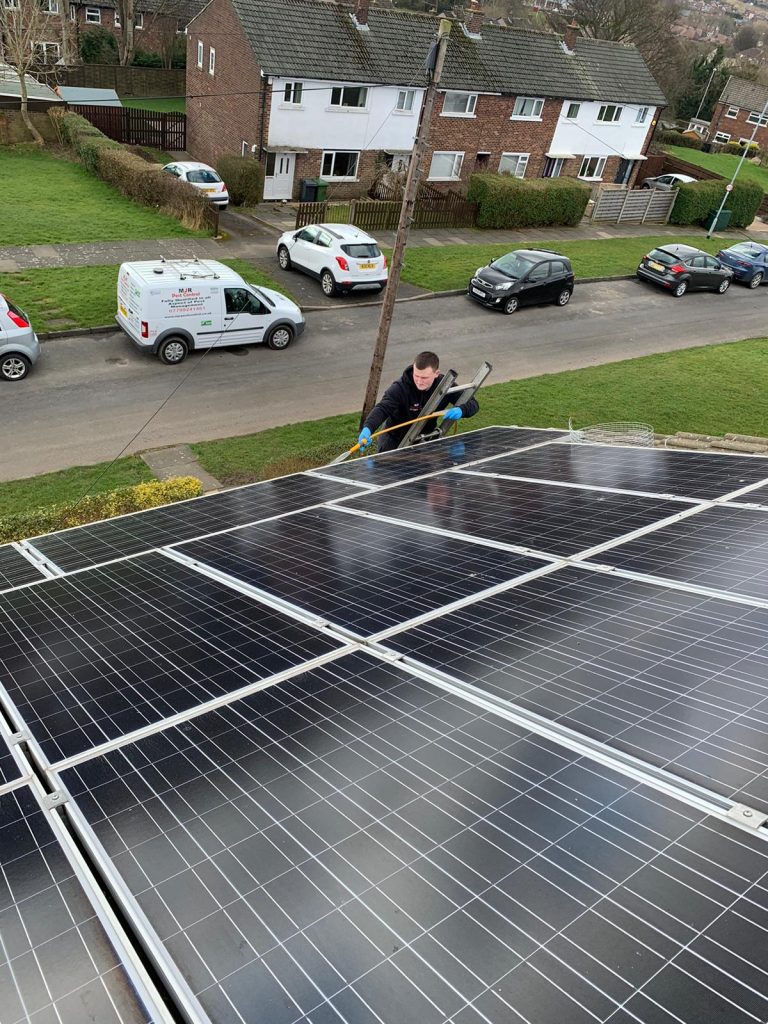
<point>747,815</point>
<point>54,799</point>
<point>18,737</point>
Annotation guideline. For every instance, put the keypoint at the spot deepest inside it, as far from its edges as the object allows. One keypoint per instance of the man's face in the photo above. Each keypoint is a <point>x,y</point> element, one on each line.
<point>424,379</point>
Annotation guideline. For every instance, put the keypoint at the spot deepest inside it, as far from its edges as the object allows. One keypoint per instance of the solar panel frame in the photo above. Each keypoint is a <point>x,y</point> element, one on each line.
<point>15,569</point>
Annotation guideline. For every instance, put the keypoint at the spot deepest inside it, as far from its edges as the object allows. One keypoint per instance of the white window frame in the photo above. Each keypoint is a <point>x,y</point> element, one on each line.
<point>333,153</point>
<point>72,13</point>
<point>570,104</point>
<point>50,6</point>
<point>211,61</point>
<point>244,147</point>
<point>757,117</point>
<point>732,111</point>
<point>520,165</point>
<point>92,15</point>
<point>200,54</point>
<point>405,101</point>
<point>605,108</point>
<point>722,137</point>
<point>399,162</point>
<point>458,160</point>
<point>138,20</point>
<point>342,90</point>
<point>455,96</point>
<point>116,22</point>
<point>598,169</point>
<point>292,94</point>
<point>56,47</point>
<point>13,5</point>
<point>520,102</point>
<point>641,115</point>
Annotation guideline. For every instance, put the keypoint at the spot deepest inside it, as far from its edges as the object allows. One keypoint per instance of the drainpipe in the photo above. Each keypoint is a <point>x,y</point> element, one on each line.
<point>262,113</point>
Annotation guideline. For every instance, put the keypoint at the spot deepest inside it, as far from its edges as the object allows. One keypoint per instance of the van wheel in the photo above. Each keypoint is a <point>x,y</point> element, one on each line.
<point>173,351</point>
<point>280,337</point>
<point>14,366</point>
<point>284,258</point>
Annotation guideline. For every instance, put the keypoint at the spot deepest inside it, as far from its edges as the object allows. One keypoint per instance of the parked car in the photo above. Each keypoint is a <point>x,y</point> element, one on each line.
<point>203,177</point>
<point>19,347</point>
<point>679,268</point>
<point>523,277</point>
<point>340,256</point>
<point>748,261</point>
<point>667,182</point>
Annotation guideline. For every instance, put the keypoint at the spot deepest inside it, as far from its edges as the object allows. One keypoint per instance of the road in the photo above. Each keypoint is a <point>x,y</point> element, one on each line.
<point>88,396</point>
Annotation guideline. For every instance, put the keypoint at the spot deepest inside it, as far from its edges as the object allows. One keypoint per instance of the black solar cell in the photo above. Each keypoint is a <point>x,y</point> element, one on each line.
<point>15,569</point>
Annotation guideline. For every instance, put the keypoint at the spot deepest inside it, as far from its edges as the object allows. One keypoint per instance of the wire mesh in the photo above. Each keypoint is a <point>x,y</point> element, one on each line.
<point>622,432</point>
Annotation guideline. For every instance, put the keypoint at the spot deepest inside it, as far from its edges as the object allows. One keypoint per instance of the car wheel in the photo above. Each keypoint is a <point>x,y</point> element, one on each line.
<point>284,258</point>
<point>173,351</point>
<point>280,336</point>
<point>724,285</point>
<point>756,280</point>
<point>564,297</point>
<point>327,283</point>
<point>510,305</point>
<point>14,366</point>
<point>681,289</point>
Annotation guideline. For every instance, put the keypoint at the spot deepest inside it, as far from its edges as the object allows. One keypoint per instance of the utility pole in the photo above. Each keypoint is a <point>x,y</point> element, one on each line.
<point>706,90</point>
<point>436,60</point>
<point>729,186</point>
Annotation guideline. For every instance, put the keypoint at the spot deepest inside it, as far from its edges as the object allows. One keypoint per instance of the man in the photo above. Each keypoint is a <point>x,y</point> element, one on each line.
<point>405,399</point>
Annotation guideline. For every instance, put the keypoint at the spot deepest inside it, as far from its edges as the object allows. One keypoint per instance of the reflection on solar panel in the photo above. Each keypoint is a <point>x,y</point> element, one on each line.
<point>559,520</point>
<point>129,535</point>
<point>661,471</point>
<point>55,961</point>
<point>9,771</point>
<point>15,569</point>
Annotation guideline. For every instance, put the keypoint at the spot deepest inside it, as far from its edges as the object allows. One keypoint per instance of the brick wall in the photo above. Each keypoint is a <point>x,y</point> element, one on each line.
<point>737,127</point>
<point>157,35</point>
<point>223,109</point>
<point>309,165</point>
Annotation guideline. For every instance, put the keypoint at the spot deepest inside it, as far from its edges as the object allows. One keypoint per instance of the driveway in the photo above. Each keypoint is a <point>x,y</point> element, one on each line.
<point>88,396</point>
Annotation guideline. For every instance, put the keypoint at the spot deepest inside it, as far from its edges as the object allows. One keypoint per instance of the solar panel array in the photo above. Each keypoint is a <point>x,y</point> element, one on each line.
<point>474,732</point>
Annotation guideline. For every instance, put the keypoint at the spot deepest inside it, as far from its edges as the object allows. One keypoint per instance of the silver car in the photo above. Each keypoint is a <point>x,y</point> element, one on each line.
<point>19,347</point>
<point>666,182</point>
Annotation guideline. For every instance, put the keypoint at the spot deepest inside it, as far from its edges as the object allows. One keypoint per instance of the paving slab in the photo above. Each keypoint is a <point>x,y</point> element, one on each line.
<point>179,460</point>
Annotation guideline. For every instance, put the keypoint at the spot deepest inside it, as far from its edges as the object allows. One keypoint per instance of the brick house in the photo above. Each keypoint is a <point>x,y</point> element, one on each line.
<point>314,88</point>
<point>158,23</point>
<point>738,110</point>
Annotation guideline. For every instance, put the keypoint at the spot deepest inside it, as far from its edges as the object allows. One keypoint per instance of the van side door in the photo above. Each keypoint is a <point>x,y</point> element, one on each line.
<point>246,317</point>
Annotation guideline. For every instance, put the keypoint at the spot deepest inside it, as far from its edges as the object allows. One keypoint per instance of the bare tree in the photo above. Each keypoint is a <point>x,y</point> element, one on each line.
<point>23,28</point>
<point>126,41</point>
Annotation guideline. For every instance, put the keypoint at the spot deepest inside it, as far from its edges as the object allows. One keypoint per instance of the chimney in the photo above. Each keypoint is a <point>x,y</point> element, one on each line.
<point>571,35</point>
<point>361,14</point>
<point>474,22</point>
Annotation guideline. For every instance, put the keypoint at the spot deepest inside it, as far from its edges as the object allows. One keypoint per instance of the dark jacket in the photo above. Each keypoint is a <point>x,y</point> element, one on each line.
<point>403,401</point>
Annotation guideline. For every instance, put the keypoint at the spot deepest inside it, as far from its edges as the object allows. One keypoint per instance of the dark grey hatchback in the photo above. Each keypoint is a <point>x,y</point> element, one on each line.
<point>523,277</point>
<point>679,268</point>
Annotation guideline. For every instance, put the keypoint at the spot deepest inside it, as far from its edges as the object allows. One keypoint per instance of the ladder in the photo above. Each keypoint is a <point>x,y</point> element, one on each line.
<point>459,393</point>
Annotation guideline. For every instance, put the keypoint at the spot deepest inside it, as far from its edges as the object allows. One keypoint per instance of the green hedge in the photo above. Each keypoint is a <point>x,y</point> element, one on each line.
<point>244,178</point>
<point>508,202</point>
<point>697,199</point>
<point>98,506</point>
<point>678,139</point>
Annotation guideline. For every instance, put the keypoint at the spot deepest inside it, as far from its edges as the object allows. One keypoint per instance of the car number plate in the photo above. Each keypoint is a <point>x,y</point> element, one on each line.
<point>366,266</point>
<point>655,265</point>
<point>476,291</point>
<point>209,190</point>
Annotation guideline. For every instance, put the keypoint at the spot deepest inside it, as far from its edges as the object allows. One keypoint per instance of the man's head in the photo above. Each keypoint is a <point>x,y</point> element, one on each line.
<point>425,369</point>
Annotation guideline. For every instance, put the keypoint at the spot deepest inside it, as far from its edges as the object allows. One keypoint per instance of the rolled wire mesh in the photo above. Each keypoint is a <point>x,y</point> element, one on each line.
<point>621,432</point>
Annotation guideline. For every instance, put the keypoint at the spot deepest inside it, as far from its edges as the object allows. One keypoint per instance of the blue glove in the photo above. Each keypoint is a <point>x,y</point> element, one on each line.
<point>452,414</point>
<point>365,437</point>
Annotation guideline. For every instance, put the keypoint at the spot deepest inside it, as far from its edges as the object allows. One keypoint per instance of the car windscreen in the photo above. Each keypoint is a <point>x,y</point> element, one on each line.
<point>362,250</point>
<point>201,177</point>
<point>513,265</point>
<point>667,258</point>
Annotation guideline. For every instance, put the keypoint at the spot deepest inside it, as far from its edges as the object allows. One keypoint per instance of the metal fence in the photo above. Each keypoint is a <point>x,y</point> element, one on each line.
<point>448,210</point>
<point>167,131</point>
<point>646,205</point>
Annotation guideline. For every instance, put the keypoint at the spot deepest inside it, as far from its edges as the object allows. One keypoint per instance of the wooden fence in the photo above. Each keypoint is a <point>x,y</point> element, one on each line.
<point>138,127</point>
<point>448,210</point>
<point>645,205</point>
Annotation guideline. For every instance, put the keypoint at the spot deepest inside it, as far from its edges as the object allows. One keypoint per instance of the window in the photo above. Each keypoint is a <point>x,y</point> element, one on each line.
<point>553,167</point>
<point>93,15</point>
<point>732,112</point>
<point>528,106</point>
<point>292,92</point>
<point>211,61</point>
<point>203,176</point>
<point>573,111</point>
<point>138,19</point>
<point>609,113</point>
<point>324,239</point>
<point>592,167</point>
<point>240,300</point>
<point>50,6</point>
<point>349,96</point>
<point>200,53</point>
<point>642,115</point>
<point>756,117</point>
<point>558,268</point>
<point>446,166</point>
<point>513,163</point>
<point>12,5</point>
<point>459,104</point>
<point>539,273</point>
<point>340,164</point>
<point>117,22</point>
<point>722,137</point>
<point>398,162</point>
<point>309,234</point>
<point>405,100</point>
<point>72,13</point>
<point>47,53</point>
<point>181,27</point>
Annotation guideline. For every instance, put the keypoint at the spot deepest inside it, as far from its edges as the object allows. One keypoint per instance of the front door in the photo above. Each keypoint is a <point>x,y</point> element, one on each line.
<point>278,175</point>
<point>624,171</point>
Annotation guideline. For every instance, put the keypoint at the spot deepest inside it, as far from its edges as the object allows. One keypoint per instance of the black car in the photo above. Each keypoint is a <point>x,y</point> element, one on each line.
<point>525,276</point>
<point>680,267</point>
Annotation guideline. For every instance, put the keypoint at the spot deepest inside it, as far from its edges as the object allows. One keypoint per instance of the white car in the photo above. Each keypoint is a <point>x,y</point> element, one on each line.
<point>340,256</point>
<point>19,347</point>
<point>666,182</point>
<point>203,177</point>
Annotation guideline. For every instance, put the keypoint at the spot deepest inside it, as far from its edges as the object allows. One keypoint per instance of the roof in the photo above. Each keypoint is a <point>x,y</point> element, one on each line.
<point>184,10</point>
<point>97,97</point>
<point>10,86</point>
<point>741,93</point>
<point>317,39</point>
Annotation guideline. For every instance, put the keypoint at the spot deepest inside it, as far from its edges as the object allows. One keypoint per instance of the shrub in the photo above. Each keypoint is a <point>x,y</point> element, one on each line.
<point>508,202</point>
<point>679,139</point>
<point>736,148</point>
<point>244,177</point>
<point>696,200</point>
<point>33,522</point>
<point>98,46</point>
<point>146,59</point>
<point>83,137</point>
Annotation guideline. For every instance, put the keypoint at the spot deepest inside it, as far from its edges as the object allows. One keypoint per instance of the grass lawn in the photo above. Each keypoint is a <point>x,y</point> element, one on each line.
<point>69,297</point>
<point>56,200</point>
<point>70,484</point>
<point>721,163</point>
<point>162,104</point>
<point>451,266</point>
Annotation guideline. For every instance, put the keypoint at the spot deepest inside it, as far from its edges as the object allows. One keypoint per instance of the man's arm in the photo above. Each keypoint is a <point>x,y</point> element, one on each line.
<point>390,407</point>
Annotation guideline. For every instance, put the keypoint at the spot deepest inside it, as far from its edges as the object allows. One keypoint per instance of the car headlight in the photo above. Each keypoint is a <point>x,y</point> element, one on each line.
<point>502,287</point>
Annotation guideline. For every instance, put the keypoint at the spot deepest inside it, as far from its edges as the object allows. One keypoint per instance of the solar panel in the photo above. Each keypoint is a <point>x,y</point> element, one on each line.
<point>357,574</point>
<point>669,677</point>
<point>9,770</point>
<point>15,569</point>
<point>56,964</point>
<point>723,548</point>
<point>759,496</point>
<point>91,657</point>
<point>141,531</point>
<point>402,464</point>
<point>362,847</point>
<point>556,520</point>
<point>660,471</point>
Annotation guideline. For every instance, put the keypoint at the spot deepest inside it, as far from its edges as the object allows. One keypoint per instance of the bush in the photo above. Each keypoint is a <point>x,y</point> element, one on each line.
<point>83,137</point>
<point>679,139</point>
<point>736,148</point>
<point>98,46</point>
<point>98,506</point>
<point>146,59</point>
<point>508,202</point>
<point>697,199</point>
<point>244,177</point>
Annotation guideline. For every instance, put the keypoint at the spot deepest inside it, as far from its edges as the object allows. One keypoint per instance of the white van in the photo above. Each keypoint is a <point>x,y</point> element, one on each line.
<point>170,307</point>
